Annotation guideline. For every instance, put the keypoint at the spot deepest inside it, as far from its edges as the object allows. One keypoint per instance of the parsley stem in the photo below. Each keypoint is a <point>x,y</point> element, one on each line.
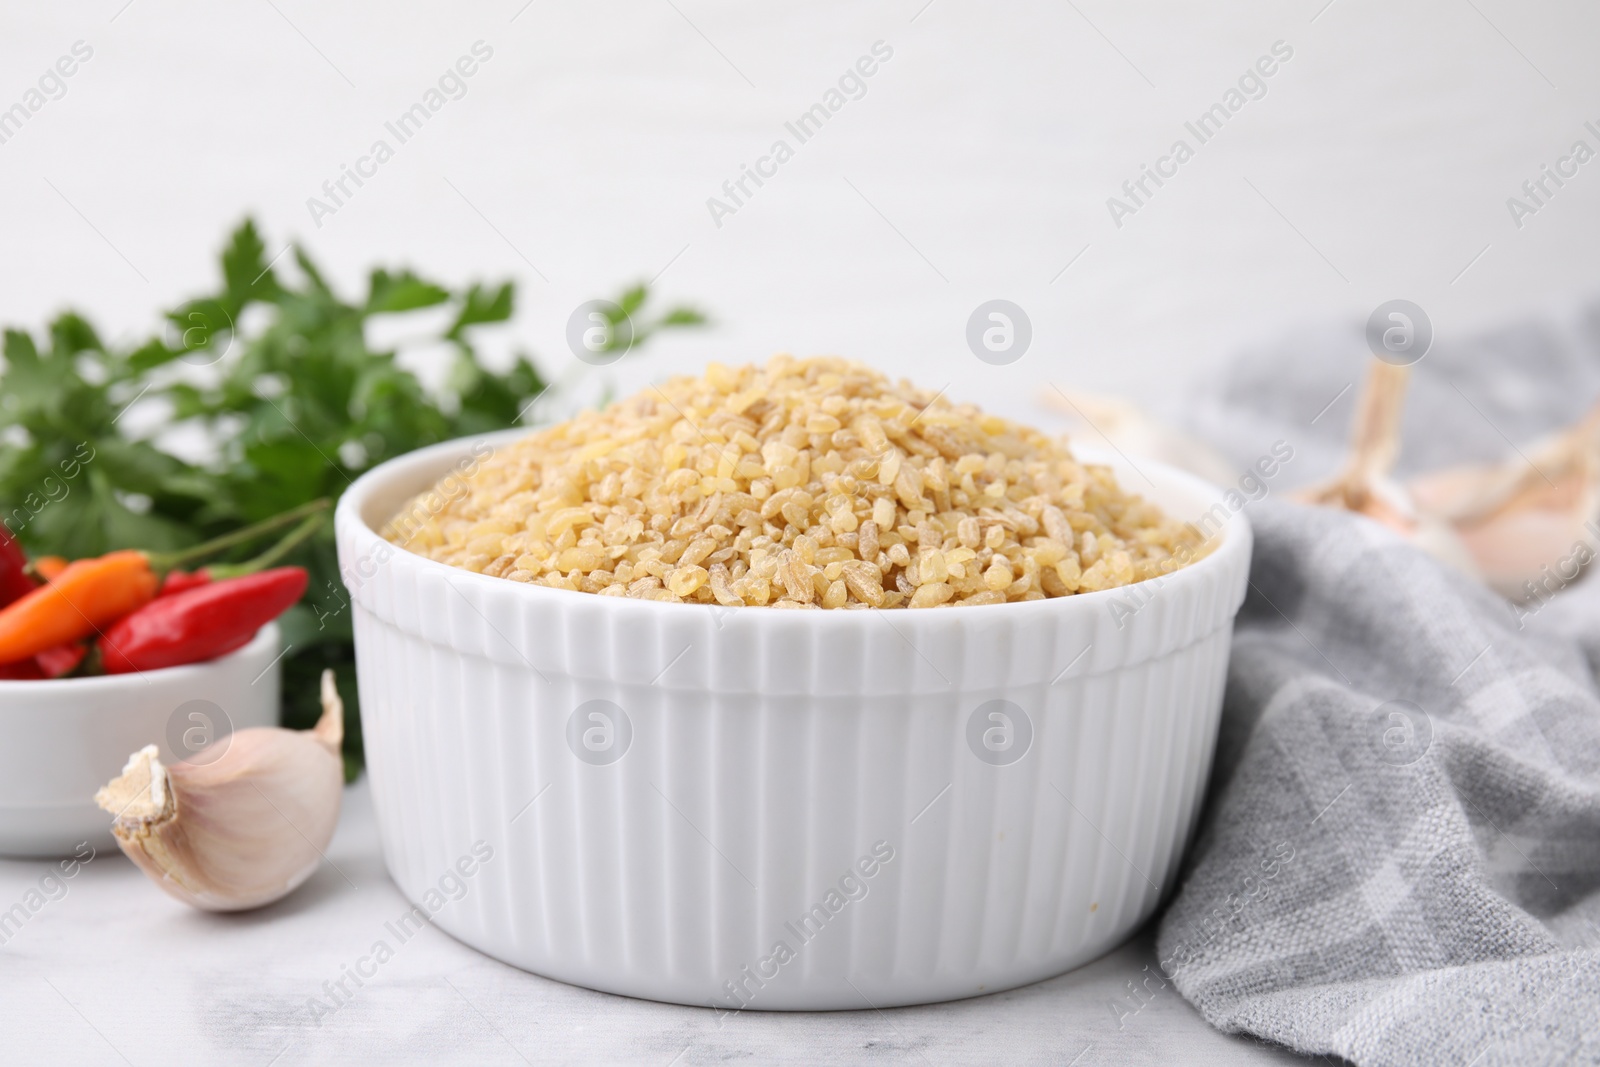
<point>243,535</point>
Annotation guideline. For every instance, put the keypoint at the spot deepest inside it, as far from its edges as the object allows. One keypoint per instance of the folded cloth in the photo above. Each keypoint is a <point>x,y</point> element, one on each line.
<point>1400,857</point>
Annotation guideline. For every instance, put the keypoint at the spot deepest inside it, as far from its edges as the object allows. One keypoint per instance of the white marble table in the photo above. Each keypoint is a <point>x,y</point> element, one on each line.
<point>116,972</point>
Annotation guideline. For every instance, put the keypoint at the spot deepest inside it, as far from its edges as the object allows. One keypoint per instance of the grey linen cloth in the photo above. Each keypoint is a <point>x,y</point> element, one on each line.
<point>1400,857</point>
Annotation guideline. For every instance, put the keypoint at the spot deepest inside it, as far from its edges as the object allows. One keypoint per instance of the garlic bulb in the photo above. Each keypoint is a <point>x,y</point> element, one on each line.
<point>242,830</point>
<point>1525,526</point>
<point>1508,524</point>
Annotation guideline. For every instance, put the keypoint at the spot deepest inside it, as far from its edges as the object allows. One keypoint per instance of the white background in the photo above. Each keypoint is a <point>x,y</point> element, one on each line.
<point>991,141</point>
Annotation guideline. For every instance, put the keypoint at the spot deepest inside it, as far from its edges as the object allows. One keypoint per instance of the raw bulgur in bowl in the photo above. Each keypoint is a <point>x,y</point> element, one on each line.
<point>806,483</point>
<point>972,740</point>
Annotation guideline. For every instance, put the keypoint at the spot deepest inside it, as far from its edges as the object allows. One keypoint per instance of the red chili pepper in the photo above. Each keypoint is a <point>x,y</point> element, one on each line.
<point>51,663</point>
<point>183,581</point>
<point>200,624</point>
<point>14,581</point>
<point>63,659</point>
<point>27,670</point>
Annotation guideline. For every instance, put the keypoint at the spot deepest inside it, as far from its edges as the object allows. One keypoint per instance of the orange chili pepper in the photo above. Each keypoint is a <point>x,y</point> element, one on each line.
<point>89,595</point>
<point>49,567</point>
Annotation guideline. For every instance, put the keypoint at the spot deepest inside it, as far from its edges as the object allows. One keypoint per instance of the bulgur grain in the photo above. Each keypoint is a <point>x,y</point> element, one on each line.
<point>802,484</point>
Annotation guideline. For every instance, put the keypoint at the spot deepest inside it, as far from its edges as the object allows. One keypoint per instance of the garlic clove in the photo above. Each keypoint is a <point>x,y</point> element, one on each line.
<point>239,831</point>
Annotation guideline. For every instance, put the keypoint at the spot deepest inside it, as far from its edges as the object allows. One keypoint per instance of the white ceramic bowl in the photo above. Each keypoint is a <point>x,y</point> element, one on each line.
<point>780,809</point>
<point>61,740</point>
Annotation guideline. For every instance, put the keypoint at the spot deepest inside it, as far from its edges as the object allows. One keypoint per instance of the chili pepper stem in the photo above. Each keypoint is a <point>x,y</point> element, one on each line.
<point>91,664</point>
<point>169,560</point>
<point>220,571</point>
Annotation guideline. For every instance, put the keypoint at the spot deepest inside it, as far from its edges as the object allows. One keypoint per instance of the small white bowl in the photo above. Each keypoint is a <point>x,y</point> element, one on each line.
<point>62,740</point>
<point>784,809</point>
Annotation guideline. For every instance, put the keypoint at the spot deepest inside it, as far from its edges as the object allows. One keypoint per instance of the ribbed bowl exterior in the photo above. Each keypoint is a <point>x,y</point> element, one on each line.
<point>783,810</point>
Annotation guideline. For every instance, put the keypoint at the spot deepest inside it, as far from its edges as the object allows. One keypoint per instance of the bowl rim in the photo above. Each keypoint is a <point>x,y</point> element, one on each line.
<point>1232,553</point>
<point>100,682</point>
